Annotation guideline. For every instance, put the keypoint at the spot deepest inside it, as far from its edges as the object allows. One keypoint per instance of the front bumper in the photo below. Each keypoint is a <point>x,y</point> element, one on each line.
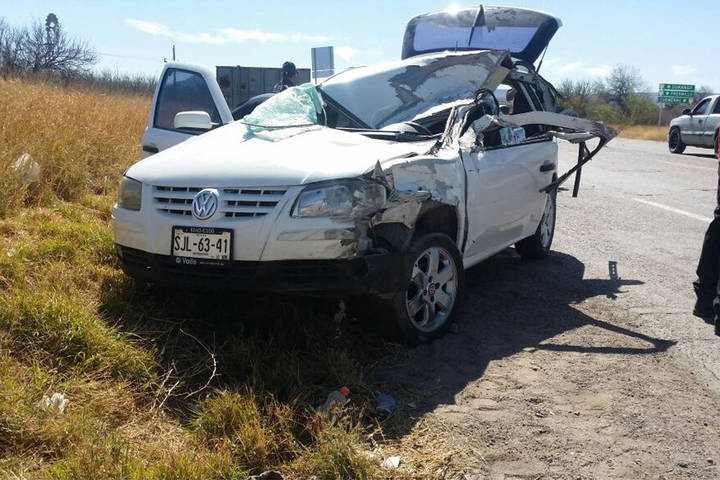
<point>375,273</point>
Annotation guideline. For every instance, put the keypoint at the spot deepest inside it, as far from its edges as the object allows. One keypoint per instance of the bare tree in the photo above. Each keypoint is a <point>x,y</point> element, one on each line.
<point>12,44</point>
<point>702,92</point>
<point>577,95</point>
<point>49,49</point>
<point>622,84</point>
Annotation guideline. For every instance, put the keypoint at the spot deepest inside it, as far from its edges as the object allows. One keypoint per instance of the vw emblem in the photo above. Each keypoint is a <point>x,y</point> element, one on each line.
<point>205,203</point>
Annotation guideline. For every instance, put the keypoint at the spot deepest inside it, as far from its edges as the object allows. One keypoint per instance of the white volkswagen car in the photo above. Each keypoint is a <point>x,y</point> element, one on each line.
<point>384,181</point>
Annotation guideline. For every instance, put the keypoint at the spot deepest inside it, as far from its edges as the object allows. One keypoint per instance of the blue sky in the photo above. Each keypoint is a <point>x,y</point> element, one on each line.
<point>668,41</point>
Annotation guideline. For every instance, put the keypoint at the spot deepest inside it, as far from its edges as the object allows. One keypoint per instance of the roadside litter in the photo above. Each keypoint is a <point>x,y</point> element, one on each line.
<point>384,404</point>
<point>335,399</point>
<point>26,169</point>
<point>269,475</point>
<point>391,462</point>
<point>56,402</point>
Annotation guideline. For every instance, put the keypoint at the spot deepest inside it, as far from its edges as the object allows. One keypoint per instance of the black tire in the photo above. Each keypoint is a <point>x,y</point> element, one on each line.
<point>675,143</point>
<point>717,147</point>
<point>412,328</point>
<point>538,244</point>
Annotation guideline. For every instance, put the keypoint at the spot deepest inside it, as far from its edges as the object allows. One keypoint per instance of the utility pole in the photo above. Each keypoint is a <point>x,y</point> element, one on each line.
<point>173,52</point>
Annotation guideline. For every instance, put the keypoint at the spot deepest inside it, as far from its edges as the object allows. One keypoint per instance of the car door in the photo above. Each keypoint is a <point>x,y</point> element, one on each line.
<point>695,132</point>
<point>182,88</point>
<point>712,122</point>
<point>504,202</point>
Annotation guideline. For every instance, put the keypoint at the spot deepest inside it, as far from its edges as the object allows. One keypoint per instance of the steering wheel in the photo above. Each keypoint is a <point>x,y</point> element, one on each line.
<point>483,98</point>
<point>421,128</point>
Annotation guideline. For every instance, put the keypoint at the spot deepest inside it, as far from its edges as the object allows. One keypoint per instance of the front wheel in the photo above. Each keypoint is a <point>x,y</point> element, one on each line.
<point>675,143</point>
<point>538,244</point>
<point>425,309</point>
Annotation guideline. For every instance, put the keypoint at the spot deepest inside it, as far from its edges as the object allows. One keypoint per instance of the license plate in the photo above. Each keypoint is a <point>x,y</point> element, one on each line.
<point>203,243</point>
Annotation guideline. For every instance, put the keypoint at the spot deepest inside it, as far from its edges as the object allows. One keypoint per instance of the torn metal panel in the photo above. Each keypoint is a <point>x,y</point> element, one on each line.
<point>400,91</point>
<point>573,124</point>
<point>419,180</point>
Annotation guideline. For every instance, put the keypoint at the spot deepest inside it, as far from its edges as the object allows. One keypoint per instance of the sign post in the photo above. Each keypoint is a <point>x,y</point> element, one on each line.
<point>673,93</point>
<point>323,62</point>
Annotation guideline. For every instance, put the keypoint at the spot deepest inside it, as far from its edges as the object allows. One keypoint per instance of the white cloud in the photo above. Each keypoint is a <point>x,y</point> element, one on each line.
<point>345,52</point>
<point>242,36</point>
<point>570,67</point>
<point>304,38</point>
<point>222,35</point>
<point>578,68</point>
<point>683,69</point>
<point>598,70</point>
<point>153,28</point>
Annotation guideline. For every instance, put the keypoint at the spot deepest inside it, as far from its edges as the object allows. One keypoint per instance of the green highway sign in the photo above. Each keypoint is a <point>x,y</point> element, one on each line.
<point>675,93</point>
<point>677,86</point>
<point>674,99</point>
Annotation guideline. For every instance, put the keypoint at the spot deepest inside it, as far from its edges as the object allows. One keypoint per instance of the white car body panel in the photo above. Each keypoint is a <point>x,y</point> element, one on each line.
<point>228,155</point>
<point>158,139</point>
<point>504,199</point>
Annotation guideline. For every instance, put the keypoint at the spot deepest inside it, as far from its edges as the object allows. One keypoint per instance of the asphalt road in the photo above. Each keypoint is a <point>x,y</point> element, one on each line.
<point>647,210</point>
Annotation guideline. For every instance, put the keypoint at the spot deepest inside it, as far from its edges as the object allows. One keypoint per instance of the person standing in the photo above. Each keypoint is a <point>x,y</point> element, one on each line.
<point>289,77</point>
<point>707,285</point>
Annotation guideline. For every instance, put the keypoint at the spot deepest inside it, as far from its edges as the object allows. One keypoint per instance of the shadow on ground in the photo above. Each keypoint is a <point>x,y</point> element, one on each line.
<point>702,155</point>
<point>294,349</point>
<point>510,305</point>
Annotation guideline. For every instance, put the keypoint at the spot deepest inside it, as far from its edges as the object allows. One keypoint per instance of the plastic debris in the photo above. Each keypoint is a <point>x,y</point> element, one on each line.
<point>391,462</point>
<point>384,403</point>
<point>55,402</point>
<point>269,475</point>
<point>285,114</point>
<point>26,169</point>
<point>335,400</point>
<point>11,253</point>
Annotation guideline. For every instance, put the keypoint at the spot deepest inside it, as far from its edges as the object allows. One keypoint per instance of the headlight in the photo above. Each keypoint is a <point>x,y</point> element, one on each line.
<point>349,199</point>
<point>130,194</point>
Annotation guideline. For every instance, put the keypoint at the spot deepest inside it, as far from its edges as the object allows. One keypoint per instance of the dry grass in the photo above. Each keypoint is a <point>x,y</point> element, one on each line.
<point>134,362</point>
<point>82,140</point>
<point>644,132</point>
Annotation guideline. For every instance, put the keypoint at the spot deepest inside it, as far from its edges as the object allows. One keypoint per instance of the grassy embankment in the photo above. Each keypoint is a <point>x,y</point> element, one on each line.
<point>644,132</point>
<point>160,384</point>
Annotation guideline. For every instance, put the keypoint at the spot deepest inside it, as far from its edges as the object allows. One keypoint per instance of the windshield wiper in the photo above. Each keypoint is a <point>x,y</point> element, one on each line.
<point>275,127</point>
<point>395,135</point>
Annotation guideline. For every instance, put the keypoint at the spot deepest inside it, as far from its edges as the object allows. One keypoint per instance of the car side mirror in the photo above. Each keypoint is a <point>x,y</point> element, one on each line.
<point>197,120</point>
<point>686,111</point>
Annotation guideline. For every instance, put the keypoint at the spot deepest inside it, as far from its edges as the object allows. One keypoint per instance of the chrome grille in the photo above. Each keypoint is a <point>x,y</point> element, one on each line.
<point>234,202</point>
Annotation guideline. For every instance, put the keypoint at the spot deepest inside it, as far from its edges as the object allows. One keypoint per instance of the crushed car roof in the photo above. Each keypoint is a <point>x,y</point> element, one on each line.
<point>399,91</point>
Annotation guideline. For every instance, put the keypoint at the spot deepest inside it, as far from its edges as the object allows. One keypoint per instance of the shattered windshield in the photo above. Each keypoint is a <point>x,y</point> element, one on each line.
<point>400,91</point>
<point>292,111</point>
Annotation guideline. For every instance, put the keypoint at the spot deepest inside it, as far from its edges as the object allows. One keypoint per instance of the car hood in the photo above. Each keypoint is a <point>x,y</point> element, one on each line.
<point>229,157</point>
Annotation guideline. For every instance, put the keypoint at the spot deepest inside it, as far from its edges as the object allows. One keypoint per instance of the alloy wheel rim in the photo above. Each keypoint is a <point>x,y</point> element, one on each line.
<point>547,224</point>
<point>674,139</point>
<point>433,288</point>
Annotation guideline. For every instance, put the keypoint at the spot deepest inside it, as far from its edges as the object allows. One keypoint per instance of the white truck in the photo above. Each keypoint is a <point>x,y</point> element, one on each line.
<point>696,127</point>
